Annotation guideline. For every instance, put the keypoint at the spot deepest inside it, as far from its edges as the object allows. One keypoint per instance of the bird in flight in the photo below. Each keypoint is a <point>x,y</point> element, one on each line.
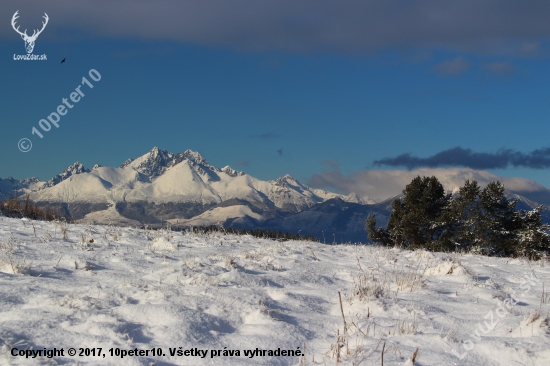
<point>63,60</point>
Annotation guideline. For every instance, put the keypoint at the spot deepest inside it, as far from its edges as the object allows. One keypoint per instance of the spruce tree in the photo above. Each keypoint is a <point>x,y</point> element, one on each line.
<point>395,222</point>
<point>533,240</point>
<point>465,215</point>
<point>487,219</point>
<point>375,234</point>
<point>417,218</point>
<point>498,220</point>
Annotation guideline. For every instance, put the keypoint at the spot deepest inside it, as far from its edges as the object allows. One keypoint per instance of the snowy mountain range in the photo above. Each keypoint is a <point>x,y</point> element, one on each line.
<point>185,190</point>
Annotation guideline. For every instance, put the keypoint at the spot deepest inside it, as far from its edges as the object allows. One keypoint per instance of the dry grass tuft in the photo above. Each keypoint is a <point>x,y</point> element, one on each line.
<point>532,317</point>
<point>415,354</point>
<point>366,286</point>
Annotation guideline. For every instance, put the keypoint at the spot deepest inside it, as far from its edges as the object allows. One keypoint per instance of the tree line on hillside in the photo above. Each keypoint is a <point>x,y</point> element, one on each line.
<point>17,207</point>
<point>477,220</point>
<point>258,233</point>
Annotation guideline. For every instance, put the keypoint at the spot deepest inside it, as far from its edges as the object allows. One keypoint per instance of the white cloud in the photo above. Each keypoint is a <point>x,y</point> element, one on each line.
<point>382,184</point>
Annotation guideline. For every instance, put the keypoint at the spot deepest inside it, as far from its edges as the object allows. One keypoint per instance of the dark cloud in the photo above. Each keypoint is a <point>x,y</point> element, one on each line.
<point>453,67</point>
<point>269,136</point>
<point>333,163</point>
<point>352,26</point>
<point>461,157</point>
<point>500,68</point>
<point>242,162</point>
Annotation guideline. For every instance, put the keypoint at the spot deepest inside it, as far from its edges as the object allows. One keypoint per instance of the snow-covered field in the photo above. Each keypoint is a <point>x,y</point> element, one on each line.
<point>122,289</point>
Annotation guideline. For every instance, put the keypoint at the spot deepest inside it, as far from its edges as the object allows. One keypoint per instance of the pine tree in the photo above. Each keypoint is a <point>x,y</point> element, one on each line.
<point>498,220</point>
<point>417,218</point>
<point>465,215</point>
<point>533,240</point>
<point>375,234</point>
<point>474,218</point>
<point>395,222</point>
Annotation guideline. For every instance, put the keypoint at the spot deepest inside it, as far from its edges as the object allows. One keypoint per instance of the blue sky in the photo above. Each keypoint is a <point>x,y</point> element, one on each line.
<point>240,86</point>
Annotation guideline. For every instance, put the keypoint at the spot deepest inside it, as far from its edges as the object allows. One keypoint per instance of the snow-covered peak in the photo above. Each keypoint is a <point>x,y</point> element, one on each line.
<point>230,171</point>
<point>9,185</point>
<point>286,181</point>
<point>31,180</point>
<point>153,164</point>
<point>76,168</point>
<point>195,157</point>
<point>157,161</point>
<point>354,198</point>
<point>289,182</point>
<point>126,163</point>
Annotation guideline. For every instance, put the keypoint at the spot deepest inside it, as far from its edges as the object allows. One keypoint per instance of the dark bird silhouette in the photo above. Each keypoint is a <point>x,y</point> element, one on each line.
<point>63,60</point>
<point>280,151</point>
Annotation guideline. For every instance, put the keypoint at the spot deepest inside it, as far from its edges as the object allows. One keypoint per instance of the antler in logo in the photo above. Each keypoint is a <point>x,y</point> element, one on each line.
<point>29,41</point>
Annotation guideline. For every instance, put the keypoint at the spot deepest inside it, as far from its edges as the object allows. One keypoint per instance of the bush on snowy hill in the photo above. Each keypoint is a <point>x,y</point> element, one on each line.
<point>18,207</point>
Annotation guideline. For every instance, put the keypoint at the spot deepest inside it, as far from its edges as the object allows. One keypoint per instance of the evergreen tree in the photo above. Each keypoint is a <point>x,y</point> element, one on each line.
<point>533,240</point>
<point>417,218</point>
<point>395,222</point>
<point>498,221</point>
<point>486,219</point>
<point>376,234</point>
<point>465,215</point>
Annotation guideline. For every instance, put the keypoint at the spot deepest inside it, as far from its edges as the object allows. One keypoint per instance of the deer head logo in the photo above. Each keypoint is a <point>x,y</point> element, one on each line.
<point>29,40</point>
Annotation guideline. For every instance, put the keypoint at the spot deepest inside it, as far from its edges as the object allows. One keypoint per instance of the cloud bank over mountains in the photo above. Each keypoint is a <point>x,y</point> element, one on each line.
<point>382,184</point>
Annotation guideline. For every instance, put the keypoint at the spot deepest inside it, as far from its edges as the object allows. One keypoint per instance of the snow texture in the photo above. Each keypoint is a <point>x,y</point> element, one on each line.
<point>73,285</point>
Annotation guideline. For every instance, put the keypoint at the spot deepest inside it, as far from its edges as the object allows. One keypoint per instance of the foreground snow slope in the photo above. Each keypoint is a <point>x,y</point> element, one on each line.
<point>98,286</point>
